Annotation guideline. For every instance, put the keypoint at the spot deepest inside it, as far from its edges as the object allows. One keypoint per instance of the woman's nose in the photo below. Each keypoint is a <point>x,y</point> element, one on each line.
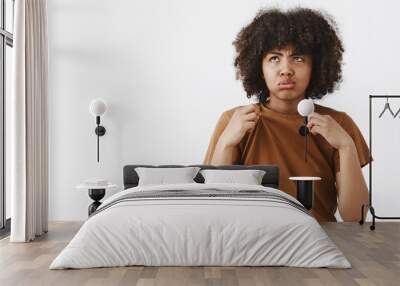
<point>286,69</point>
<point>286,73</point>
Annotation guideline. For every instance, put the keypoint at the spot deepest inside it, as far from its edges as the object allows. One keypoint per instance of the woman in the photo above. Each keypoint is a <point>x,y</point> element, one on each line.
<point>284,57</point>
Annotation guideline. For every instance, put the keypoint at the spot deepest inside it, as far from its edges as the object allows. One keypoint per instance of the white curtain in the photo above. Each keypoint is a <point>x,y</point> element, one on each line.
<point>28,122</point>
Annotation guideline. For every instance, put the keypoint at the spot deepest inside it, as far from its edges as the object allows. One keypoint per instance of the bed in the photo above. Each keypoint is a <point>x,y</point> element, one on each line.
<point>201,224</point>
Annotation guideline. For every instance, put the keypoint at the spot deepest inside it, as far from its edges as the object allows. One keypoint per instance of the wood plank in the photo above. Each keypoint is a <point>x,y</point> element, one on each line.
<point>374,255</point>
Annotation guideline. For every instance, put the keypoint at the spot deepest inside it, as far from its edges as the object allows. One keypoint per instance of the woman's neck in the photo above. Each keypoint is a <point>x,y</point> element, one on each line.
<point>283,106</point>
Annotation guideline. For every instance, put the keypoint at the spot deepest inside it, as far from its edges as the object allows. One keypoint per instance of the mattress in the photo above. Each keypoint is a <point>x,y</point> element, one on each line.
<point>201,225</point>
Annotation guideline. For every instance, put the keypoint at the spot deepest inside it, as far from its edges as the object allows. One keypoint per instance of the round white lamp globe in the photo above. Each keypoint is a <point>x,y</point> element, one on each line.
<point>305,107</point>
<point>97,107</point>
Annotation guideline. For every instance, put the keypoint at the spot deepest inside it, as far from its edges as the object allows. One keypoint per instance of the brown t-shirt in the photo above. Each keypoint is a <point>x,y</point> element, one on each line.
<point>276,140</point>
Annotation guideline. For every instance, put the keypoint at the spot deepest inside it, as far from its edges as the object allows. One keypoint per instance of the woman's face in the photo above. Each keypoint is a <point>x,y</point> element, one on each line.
<point>286,75</point>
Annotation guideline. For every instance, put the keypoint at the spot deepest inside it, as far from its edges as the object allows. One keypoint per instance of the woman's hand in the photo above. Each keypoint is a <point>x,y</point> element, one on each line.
<point>243,119</point>
<point>330,129</point>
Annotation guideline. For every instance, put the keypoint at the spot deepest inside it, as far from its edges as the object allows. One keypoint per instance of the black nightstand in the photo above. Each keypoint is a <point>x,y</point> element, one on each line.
<point>96,193</point>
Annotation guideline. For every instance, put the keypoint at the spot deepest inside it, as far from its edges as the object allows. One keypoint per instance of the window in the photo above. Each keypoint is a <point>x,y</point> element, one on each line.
<point>6,44</point>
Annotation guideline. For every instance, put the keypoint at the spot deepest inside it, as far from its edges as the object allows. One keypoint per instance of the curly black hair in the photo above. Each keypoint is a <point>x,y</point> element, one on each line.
<point>307,31</point>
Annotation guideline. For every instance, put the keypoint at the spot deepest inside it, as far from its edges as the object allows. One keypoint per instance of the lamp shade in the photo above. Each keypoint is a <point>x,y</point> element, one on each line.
<point>305,107</point>
<point>97,107</point>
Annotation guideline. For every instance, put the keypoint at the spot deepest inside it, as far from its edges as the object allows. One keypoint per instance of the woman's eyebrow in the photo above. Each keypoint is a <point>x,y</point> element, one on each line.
<point>280,54</point>
<point>276,53</point>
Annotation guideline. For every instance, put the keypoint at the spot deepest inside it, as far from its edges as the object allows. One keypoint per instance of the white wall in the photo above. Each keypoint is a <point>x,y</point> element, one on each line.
<point>165,69</point>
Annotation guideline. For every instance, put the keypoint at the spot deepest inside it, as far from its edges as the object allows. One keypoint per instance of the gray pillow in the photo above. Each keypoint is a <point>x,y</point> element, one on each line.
<point>248,177</point>
<point>162,176</point>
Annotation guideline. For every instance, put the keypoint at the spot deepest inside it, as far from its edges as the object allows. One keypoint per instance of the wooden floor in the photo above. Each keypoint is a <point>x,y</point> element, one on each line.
<point>375,256</point>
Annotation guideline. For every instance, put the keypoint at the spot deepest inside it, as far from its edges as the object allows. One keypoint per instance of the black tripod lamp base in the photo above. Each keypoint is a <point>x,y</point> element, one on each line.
<point>96,195</point>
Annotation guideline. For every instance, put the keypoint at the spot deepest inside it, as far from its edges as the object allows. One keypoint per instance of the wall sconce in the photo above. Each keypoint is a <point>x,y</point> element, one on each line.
<point>305,107</point>
<point>98,107</point>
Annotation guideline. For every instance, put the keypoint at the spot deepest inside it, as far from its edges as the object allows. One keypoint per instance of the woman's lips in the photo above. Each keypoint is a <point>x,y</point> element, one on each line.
<point>288,85</point>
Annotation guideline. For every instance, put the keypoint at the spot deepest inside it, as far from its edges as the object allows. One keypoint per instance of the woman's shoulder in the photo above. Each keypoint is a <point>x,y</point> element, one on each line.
<point>325,110</point>
<point>344,119</point>
<point>321,109</point>
<point>228,113</point>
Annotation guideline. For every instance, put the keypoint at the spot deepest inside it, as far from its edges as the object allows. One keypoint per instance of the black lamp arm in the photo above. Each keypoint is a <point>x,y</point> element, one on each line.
<point>99,131</point>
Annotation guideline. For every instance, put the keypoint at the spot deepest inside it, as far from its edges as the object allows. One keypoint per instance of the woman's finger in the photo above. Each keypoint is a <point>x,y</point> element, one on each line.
<point>251,116</point>
<point>316,130</point>
<point>249,125</point>
<point>317,116</point>
<point>250,108</point>
<point>314,121</point>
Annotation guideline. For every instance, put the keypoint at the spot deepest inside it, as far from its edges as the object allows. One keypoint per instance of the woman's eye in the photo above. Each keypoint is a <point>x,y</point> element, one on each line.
<point>273,59</point>
<point>298,59</point>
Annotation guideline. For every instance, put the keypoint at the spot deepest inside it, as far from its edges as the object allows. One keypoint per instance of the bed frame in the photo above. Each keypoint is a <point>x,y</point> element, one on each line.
<point>270,179</point>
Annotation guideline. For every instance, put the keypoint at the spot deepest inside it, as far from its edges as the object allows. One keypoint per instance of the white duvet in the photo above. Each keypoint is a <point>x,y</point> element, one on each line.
<point>200,231</point>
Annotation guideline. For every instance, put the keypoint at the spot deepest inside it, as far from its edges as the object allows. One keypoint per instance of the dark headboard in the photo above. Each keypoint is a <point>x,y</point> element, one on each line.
<point>270,179</point>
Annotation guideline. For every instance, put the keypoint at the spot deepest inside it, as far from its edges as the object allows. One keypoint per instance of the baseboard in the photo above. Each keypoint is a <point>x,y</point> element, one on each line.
<point>5,231</point>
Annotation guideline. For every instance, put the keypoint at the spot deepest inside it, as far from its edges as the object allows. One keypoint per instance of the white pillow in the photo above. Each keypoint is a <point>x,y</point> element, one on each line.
<point>162,176</point>
<point>249,177</point>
